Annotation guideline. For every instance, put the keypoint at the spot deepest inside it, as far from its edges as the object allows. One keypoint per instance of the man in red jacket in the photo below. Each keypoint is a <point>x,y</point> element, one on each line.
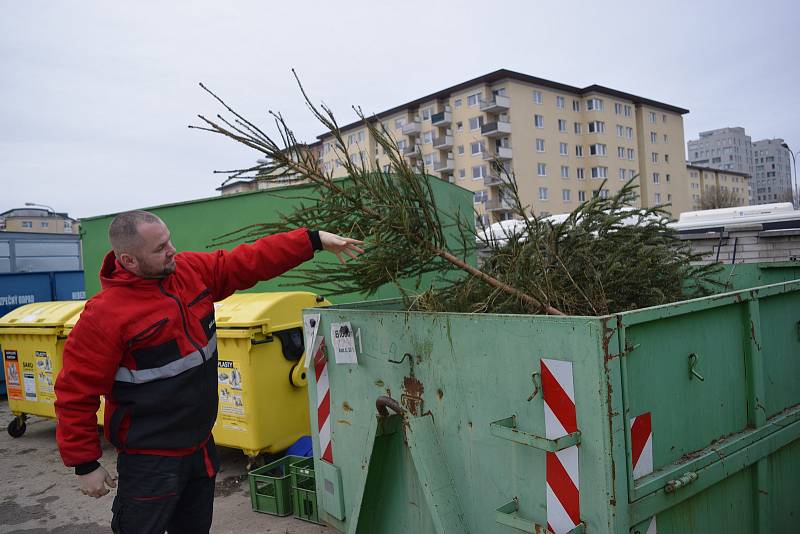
<point>147,342</point>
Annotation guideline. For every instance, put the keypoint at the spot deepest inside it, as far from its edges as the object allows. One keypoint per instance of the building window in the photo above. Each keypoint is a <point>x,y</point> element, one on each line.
<point>664,117</point>
<point>576,105</point>
<point>458,103</point>
<point>428,159</point>
<point>537,97</point>
<point>654,157</point>
<point>564,171</point>
<point>538,121</point>
<point>599,172</point>
<point>594,104</point>
<point>631,174</point>
<point>579,173</point>
<point>473,99</point>
<point>45,224</point>
<point>604,193</point>
<point>565,195</point>
<point>478,172</point>
<point>27,224</point>
<point>426,114</point>
<point>480,197</point>
<point>631,154</point>
<point>652,117</point>
<point>621,152</point>
<point>579,150</point>
<point>653,137</point>
<point>475,123</point>
<point>563,149</point>
<point>629,132</point>
<point>581,196</point>
<point>620,130</point>
<point>427,137</point>
<point>541,169</point>
<point>597,149</point>
<point>665,138</point>
<point>462,173</point>
<point>542,193</point>
<point>597,127</point>
<point>655,177</point>
<point>481,221</point>
<point>560,102</point>
<point>577,128</point>
<point>669,197</point>
<point>622,174</point>
<point>460,150</point>
<point>68,224</point>
<point>617,108</point>
<point>540,145</point>
<point>476,148</point>
<point>657,198</point>
<point>666,158</point>
<point>562,125</point>
<point>399,123</point>
<point>628,111</point>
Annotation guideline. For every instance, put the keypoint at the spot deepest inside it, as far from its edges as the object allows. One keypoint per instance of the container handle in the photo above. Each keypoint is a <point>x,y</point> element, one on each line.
<point>507,515</point>
<point>507,429</point>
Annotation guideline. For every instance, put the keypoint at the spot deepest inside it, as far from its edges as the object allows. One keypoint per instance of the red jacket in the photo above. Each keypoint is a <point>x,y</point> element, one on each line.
<point>149,346</point>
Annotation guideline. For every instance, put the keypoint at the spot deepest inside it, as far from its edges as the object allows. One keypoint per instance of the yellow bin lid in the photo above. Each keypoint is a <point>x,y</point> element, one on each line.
<point>69,324</point>
<point>42,313</point>
<point>278,311</point>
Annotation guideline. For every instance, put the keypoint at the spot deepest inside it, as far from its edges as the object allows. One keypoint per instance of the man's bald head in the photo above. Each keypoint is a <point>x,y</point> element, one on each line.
<point>124,231</point>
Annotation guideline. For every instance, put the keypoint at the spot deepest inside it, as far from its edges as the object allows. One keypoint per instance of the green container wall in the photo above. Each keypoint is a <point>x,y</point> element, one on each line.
<point>196,223</point>
<point>737,429</point>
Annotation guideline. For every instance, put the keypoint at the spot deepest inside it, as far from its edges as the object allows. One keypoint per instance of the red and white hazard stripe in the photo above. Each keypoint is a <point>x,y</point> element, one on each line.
<point>563,487</point>
<point>323,403</point>
<point>642,453</point>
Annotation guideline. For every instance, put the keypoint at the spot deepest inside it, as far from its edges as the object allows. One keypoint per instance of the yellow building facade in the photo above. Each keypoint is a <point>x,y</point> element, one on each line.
<point>703,179</point>
<point>559,141</point>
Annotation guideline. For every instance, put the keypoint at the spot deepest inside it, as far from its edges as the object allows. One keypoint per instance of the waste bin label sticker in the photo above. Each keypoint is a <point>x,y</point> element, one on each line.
<point>344,346</point>
<point>13,386</point>
<point>29,381</point>
<point>231,400</point>
<point>44,377</point>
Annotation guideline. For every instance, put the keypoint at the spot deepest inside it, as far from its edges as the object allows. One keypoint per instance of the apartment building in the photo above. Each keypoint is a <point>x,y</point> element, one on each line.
<point>560,142</point>
<point>772,174</point>
<point>38,220</point>
<point>724,148</point>
<point>703,179</point>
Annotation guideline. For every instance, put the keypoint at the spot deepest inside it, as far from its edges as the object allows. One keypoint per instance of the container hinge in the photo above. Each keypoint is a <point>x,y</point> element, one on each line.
<point>684,480</point>
<point>507,515</point>
<point>507,429</point>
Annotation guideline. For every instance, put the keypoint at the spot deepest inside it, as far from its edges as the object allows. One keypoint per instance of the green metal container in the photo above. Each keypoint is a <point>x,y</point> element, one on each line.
<point>194,224</point>
<point>706,391</point>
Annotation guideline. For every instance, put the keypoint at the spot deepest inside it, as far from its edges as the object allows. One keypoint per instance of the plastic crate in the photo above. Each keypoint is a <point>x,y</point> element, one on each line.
<point>304,499</point>
<point>270,487</point>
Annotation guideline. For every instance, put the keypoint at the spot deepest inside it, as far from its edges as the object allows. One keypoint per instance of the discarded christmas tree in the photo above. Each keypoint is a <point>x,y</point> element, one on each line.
<point>605,257</point>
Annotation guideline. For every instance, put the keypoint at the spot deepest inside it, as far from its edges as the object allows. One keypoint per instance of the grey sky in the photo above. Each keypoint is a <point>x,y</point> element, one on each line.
<point>95,96</point>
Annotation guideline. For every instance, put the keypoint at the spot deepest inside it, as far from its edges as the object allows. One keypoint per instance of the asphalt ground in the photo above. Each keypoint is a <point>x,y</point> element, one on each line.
<point>38,495</point>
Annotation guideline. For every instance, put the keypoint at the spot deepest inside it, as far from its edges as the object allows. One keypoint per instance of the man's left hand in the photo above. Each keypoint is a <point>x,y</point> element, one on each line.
<point>340,245</point>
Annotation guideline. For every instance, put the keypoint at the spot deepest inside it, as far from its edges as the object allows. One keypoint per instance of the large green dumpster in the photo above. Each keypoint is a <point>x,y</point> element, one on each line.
<point>681,418</point>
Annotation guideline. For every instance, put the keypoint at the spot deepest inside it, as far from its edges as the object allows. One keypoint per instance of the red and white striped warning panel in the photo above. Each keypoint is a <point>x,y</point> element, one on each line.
<point>323,403</point>
<point>642,453</point>
<point>563,488</point>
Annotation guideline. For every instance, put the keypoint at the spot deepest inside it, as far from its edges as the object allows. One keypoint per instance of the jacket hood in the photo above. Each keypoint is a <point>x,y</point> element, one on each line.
<point>113,274</point>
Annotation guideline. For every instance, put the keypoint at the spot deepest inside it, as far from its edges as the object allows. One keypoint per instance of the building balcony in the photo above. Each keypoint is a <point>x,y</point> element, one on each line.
<point>411,151</point>
<point>493,179</point>
<point>443,118</point>
<point>443,142</point>
<point>498,204</point>
<point>496,129</point>
<point>501,153</point>
<point>412,128</point>
<point>446,166</point>
<point>496,104</point>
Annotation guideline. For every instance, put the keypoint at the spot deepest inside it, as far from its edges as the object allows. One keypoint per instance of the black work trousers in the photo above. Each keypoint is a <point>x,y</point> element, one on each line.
<point>158,494</point>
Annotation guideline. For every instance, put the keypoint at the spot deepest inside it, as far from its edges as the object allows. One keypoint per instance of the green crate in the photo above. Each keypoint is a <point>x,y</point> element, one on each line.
<point>304,498</point>
<point>302,468</point>
<point>270,487</point>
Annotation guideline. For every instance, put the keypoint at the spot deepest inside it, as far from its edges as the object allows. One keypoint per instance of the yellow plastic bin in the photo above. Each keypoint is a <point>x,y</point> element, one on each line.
<point>32,338</point>
<point>263,403</point>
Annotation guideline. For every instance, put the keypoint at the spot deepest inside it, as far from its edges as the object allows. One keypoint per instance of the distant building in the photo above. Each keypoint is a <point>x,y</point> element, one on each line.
<point>772,176</point>
<point>41,221</point>
<point>30,252</point>
<point>267,180</point>
<point>702,180</point>
<point>730,149</point>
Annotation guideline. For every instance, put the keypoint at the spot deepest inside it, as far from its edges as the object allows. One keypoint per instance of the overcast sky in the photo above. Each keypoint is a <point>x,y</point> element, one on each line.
<point>96,96</point>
